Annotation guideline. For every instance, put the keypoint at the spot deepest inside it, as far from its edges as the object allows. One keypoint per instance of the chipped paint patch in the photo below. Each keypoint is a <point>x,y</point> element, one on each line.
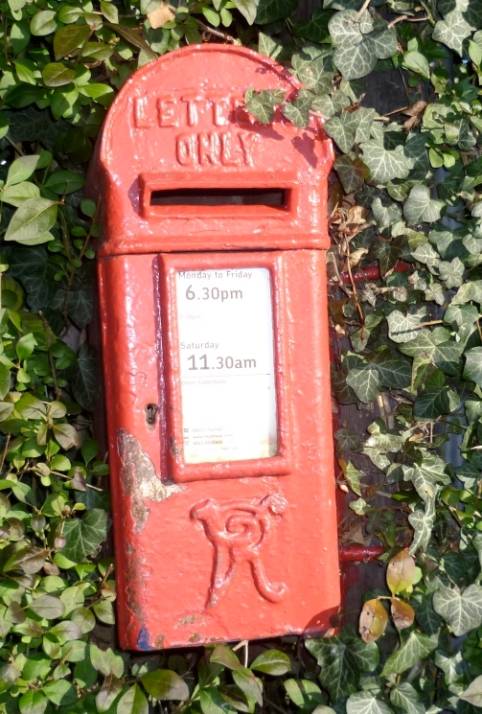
<point>139,478</point>
<point>143,640</point>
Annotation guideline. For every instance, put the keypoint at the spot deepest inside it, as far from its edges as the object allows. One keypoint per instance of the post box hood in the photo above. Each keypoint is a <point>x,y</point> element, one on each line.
<point>181,165</point>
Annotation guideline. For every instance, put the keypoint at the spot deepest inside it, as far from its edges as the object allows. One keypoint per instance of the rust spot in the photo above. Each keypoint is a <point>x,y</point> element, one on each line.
<point>139,478</point>
<point>159,642</point>
<point>173,447</point>
<point>187,620</point>
<point>195,637</point>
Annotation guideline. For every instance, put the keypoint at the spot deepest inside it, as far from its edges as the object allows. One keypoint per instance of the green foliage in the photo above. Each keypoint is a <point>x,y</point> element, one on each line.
<point>406,190</point>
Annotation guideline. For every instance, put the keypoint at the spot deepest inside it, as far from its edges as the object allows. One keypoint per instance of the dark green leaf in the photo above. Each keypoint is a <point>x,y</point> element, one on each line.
<point>415,648</point>
<point>43,23</point>
<point>341,661</point>
<point>83,536</point>
<point>164,684</point>
<point>248,9</point>
<point>249,684</point>
<point>69,39</point>
<point>272,662</point>
<point>133,701</point>
<point>222,654</point>
<point>272,10</point>
<point>56,74</point>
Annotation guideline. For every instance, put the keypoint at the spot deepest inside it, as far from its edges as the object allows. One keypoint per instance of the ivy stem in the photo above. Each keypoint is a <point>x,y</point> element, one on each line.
<point>353,286</point>
<point>245,644</point>
<point>274,706</point>
<point>402,18</point>
<point>363,8</point>
<point>216,33</point>
<point>5,451</point>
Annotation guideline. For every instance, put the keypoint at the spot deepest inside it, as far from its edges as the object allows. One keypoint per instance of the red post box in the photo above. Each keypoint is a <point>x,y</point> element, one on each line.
<point>215,351</point>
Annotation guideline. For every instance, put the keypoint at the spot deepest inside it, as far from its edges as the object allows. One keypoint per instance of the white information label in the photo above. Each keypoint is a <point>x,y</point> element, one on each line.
<point>225,325</point>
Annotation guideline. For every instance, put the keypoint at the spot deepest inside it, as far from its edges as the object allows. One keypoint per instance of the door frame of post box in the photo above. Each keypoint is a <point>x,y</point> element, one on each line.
<point>281,463</point>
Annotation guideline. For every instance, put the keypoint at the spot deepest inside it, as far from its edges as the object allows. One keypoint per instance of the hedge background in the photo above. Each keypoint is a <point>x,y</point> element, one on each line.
<point>406,187</point>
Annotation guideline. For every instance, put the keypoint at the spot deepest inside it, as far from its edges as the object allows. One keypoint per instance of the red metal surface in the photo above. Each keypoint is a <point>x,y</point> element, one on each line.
<point>214,551</point>
<point>373,273</point>
<point>360,553</point>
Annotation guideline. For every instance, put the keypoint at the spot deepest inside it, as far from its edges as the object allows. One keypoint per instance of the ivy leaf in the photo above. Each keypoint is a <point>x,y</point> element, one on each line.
<point>415,648</point>
<point>341,661</point>
<point>462,611</point>
<point>342,129</point>
<point>248,9</point>
<point>273,10</point>
<point>453,30</point>
<point>85,377</point>
<point>348,27</point>
<point>420,207</point>
<point>473,365</point>
<point>298,111</point>
<point>401,327</point>
<point>385,164</point>
<point>269,47</point>
<point>311,67</point>
<point>424,253</point>
<point>383,42</point>
<point>434,346</point>
<point>355,61</point>
<point>365,382</point>
<point>422,523</point>
<point>262,105</point>
<point>473,693</point>
<point>351,172</point>
<point>471,291</point>
<point>133,702</point>
<point>405,697</point>
<point>393,373</point>
<point>366,703</point>
<point>31,223</point>
<point>434,403</point>
<point>428,474</point>
<point>83,536</point>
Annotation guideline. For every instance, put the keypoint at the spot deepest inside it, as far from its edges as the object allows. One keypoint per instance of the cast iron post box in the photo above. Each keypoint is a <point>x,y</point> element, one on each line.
<point>215,350</point>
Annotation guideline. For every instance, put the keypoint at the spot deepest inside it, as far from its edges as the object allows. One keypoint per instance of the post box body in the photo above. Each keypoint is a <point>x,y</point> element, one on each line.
<point>216,364</point>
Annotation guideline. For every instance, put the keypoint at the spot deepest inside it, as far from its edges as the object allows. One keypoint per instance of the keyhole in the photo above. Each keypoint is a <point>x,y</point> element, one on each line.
<point>151,413</point>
